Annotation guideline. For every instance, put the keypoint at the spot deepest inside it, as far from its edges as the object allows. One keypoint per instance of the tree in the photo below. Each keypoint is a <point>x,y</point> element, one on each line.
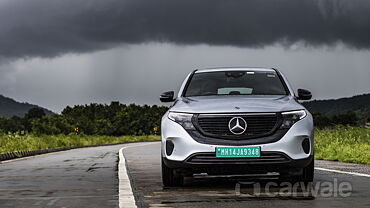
<point>32,114</point>
<point>348,118</point>
<point>115,119</point>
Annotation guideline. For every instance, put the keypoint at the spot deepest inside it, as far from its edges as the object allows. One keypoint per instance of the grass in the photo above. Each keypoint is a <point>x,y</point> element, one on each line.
<point>14,142</point>
<point>345,144</point>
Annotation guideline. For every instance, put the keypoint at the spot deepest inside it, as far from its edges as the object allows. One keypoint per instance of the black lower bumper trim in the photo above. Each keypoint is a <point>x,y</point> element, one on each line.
<point>209,163</point>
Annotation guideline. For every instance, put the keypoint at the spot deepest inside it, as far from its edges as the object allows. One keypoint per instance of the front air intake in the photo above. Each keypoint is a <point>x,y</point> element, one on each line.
<point>265,158</point>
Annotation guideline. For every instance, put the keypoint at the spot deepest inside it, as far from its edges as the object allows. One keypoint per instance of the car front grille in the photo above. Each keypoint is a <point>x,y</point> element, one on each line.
<point>217,125</point>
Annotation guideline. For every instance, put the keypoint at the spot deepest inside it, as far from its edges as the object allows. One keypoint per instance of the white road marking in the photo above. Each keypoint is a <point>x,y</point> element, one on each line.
<point>343,172</point>
<point>126,196</point>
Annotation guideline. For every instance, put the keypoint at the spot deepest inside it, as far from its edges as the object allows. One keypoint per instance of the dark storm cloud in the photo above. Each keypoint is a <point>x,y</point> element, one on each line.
<point>48,28</point>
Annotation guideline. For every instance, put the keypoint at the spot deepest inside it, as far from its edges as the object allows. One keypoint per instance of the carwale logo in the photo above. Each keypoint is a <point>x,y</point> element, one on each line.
<point>294,190</point>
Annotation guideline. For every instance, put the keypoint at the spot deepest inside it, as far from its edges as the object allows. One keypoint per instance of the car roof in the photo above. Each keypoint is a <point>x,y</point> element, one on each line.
<point>235,69</point>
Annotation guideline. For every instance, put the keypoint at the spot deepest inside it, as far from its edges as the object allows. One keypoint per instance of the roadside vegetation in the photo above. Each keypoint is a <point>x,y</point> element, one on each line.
<point>116,119</point>
<point>16,142</point>
<point>343,143</point>
<point>342,137</point>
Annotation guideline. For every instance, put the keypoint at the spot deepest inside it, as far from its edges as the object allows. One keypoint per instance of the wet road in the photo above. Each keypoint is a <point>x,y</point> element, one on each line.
<point>88,178</point>
<point>76,178</point>
<point>144,168</point>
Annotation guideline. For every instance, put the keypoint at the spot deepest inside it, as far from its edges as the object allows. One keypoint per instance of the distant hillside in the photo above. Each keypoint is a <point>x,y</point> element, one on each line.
<point>359,104</point>
<point>10,107</point>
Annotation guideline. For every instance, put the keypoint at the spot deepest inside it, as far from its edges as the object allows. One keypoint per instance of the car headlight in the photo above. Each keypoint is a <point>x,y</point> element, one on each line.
<point>184,119</point>
<point>291,117</point>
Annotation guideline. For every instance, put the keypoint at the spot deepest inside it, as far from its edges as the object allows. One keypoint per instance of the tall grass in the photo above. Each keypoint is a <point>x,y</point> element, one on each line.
<point>14,142</point>
<point>343,143</point>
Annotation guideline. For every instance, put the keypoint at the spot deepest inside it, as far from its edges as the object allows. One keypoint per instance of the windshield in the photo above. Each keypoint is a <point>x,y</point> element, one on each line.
<point>235,83</point>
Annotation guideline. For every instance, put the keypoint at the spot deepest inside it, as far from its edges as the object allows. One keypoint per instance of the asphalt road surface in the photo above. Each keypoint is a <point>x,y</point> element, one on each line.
<point>88,178</point>
<point>145,172</point>
<point>75,178</point>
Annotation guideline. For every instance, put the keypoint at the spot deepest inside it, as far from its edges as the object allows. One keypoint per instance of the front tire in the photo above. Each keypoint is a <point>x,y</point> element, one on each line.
<point>170,177</point>
<point>307,174</point>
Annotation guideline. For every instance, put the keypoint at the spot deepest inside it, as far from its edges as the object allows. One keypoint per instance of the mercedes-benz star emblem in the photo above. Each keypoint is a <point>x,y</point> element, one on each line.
<point>237,125</point>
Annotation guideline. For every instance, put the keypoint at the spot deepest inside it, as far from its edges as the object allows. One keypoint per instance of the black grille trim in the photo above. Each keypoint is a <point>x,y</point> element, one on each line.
<point>216,125</point>
<point>197,136</point>
<point>265,158</point>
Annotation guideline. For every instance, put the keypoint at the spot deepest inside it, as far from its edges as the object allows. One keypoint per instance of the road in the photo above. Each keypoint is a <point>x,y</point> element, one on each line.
<point>84,177</point>
<point>144,168</point>
<point>88,178</point>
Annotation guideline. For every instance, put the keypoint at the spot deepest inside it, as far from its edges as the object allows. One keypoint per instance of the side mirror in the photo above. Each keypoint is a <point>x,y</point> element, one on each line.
<point>167,97</point>
<point>304,94</point>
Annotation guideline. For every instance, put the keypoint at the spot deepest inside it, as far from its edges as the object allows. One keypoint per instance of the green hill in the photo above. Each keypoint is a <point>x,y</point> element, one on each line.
<point>359,104</point>
<point>10,107</point>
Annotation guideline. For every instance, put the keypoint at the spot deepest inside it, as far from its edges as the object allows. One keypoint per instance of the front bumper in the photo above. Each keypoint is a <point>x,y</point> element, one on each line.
<point>185,146</point>
<point>288,146</point>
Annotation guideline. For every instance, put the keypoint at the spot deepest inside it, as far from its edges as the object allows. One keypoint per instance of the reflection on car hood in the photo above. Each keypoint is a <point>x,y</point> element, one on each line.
<point>236,104</point>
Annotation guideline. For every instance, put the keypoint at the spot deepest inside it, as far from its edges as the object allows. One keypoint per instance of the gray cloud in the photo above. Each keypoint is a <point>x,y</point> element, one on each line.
<point>138,73</point>
<point>46,28</point>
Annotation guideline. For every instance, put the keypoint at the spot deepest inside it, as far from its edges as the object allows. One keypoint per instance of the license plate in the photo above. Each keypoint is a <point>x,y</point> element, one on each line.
<point>238,152</point>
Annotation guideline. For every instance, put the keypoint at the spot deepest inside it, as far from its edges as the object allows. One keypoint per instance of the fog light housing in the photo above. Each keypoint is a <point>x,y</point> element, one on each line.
<point>169,147</point>
<point>306,145</point>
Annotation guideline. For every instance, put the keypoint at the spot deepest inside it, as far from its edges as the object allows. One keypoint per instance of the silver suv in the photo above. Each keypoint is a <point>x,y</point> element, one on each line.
<point>236,122</point>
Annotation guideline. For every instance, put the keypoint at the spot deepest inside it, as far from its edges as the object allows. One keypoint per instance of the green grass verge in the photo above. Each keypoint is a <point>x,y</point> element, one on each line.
<point>12,142</point>
<point>345,144</point>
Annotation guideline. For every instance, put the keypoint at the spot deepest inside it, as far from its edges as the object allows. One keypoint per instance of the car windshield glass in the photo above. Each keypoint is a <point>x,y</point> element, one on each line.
<point>235,83</point>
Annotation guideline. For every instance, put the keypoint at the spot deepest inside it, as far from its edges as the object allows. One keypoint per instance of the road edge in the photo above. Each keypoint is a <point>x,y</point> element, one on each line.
<point>125,194</point>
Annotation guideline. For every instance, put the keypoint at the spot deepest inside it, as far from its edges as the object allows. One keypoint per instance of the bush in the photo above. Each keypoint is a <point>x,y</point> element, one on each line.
<point>343,143</point>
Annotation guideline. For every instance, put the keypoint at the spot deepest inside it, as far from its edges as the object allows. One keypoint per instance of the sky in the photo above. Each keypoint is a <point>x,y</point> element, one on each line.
<point>69,52</point>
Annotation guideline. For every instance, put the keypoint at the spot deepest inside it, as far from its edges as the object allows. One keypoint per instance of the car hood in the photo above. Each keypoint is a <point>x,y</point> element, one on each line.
<point>236,104</point>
